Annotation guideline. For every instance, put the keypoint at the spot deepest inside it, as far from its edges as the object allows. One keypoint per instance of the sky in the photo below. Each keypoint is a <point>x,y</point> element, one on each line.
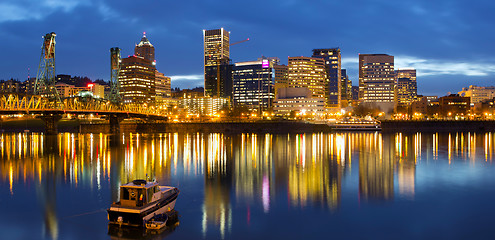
<point>449,42</point>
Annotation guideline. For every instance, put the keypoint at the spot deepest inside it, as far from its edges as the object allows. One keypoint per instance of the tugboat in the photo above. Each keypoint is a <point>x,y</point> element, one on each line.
<point>140,201</point>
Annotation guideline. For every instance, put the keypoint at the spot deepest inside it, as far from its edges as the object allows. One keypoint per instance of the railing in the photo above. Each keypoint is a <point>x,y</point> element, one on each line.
<point>14,102</point>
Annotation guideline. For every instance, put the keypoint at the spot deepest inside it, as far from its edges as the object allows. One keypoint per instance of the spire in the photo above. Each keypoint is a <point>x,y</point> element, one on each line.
<point>144,41</point>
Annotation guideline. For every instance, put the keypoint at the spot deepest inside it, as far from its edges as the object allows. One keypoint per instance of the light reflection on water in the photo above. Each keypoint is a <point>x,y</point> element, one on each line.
<point>244,175</point>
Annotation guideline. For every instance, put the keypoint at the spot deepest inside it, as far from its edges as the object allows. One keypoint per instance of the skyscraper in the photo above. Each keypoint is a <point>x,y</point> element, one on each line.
<point>137,80</point>
<point>406,87</point>
<point>376,80</point>
<point>254,83</point>
<point>218,79</point>
<point>308,72</point>
<point>145,49</point>
<point>332,67</point>
<point>346,89</point>
<point>281,77</point>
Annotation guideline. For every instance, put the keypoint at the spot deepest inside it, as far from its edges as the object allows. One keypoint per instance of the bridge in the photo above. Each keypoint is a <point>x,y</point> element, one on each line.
<point>47,104</point>
<point>51,111</point>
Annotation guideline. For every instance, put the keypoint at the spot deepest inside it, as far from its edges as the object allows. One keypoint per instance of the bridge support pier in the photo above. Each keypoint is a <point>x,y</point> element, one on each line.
<point>114,121</point>
<point>51,123</point>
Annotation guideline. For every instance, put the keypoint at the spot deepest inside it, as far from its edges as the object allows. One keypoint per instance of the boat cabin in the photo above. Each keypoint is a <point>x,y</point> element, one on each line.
<point>138,193</point>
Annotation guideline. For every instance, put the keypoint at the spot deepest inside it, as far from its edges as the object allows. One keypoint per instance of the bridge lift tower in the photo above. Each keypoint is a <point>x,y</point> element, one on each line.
<point>45,78</point>
<point>115,61</point>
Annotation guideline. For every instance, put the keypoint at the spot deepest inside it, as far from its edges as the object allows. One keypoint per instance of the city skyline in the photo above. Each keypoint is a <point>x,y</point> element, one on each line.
<point>426,36</point>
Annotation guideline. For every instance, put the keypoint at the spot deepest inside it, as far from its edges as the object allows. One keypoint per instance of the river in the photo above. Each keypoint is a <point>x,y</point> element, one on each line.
<point>261,186</point>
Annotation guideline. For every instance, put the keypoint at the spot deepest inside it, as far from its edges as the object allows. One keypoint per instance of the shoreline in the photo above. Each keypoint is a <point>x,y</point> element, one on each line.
<point>82,126</point>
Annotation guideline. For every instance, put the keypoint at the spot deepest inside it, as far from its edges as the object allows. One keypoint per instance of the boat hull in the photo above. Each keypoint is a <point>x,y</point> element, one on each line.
<point>136,217</point>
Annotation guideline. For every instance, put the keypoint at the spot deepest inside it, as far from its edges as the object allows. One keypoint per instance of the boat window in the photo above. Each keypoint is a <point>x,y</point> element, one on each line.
<point>125,195</point>
<point>150,194</point>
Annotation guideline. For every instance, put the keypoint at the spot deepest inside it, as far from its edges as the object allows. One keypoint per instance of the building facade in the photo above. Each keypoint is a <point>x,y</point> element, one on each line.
<point>217,70</point>
<point>454,105</point>
<point>94,90</point>
<point>297,100</point>
<point>308,72</point>
<point>377,80</point>
<point>162,85</point>
<point>346,89</point>
<point>478,94</point>
<point>145,49</point>
<point>406,87</point>
<point>218,80</point>
<point>332,60</point>
<point>10,86</point>
<point>137,80</point>
<point>97,90</point>
<point>203,105</point>
<point>254,84</point>
<point>281,76</point>
<point>64,89</point>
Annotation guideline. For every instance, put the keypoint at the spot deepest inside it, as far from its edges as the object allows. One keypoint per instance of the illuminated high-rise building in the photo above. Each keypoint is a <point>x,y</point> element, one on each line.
<point>281,77</point>
<point>217,70</point>
<point>406,87</point>
<point>377,80</point>
<point>332,66</point>
<point>346,89</point>
<point>162,85</point>
<point>254,83</point>
<point>137,80</point>
<point>145,49</point>
<point>308,72</point>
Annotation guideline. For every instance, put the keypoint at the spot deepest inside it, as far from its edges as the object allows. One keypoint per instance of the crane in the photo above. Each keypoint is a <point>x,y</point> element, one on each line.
<point>245,40</point>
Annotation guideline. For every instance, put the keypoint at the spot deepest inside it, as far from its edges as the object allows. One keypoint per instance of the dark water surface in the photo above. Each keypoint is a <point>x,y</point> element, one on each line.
<point>248,186</point>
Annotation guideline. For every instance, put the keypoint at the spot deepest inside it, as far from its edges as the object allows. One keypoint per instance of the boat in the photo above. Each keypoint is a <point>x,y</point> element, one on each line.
<point>140,201</point>
<point>351,124</point>
<point>157,222</point>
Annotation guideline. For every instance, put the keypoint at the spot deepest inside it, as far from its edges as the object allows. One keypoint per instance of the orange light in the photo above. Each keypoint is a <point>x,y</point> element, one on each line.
<point>90,85</point>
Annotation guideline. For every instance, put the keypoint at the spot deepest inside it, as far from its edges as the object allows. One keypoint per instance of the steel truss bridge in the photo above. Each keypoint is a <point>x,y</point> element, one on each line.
<point>51,110</point>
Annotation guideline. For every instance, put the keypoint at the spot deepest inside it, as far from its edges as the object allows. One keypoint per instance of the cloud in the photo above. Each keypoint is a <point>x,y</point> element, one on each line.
<point>65,5</point>
<point>349,62</point>
<point>434,67</point>
<point>187,81</point>
<point>12,12</point>
<point>23,10</point>
<point>193,77</point>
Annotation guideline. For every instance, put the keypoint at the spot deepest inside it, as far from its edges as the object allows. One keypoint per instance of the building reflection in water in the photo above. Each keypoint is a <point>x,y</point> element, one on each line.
<point>376,165</point>
<point>251,168</point>
<point>314,166</point>
<point>217,208</point>
<point>407,153</point>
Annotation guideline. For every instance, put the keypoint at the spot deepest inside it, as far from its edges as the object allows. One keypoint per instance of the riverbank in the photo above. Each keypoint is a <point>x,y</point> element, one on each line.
<point>438,126</point>
<point>37,125</point>
<point>213,127</point>
<point>82,126</point>
<point>99,126</point>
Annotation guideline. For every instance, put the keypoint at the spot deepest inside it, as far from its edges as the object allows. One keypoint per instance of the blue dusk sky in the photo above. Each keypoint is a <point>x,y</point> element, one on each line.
<point>449,42</point>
